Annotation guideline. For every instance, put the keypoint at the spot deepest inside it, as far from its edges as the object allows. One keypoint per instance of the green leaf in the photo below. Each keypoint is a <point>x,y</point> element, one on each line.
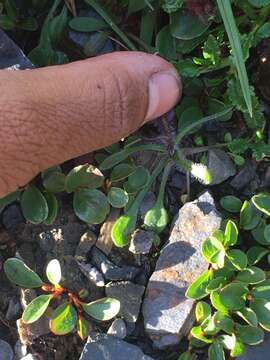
<point>156,219</point>
<point>86,176</point>
<point>262,309</point>
<point>186,26</point>
<point>250,335</point>
<point>231,234</point>
<point>262,291</point>
<point>52,208</point>
<point>6,23</point>
<point>238,348</point>
<point>165,43</point>
<point>267,233</point>
<point>63,319</point>
<point>249,217</point>
<point>227,341</point>
<point>259,3</point>
<point>216,302</point>
<point>255,254</point>
<point>252,275</point>
<point>186,356</point>
<point>53,272</point>
<point>54,182</point>
<point>83,328</point>
<point>91,206</point>
<point>197,290</point>
<point>139,179</point>
<point>258,233</point>
<point>117,197</point>
<point>234,38</point>
<point>34,205</point>
<point>36,308</point>
<point>102,309</point>
<point>87,24</point>
<point>248,315</point>
<point>216,284</point>
<point>224,322</point>
<point>121,172</point>
<point>238,258</point>
<point>198,333</point>
<point>232,296</point>
<point>215,352</point>
<point>213,251</point>
<point>189,116</point>
<point>262,203</point>
<point>202,311</point>
<point>9,199</point>
<point>210,327</point>
<point>231,203</point>
<point>20,274</point>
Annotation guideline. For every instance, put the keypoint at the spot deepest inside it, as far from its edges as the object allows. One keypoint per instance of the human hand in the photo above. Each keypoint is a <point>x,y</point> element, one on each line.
<point>53,114</point>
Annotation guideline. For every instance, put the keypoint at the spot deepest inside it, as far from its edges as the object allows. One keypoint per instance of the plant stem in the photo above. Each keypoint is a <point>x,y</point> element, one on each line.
<point>112,24</point>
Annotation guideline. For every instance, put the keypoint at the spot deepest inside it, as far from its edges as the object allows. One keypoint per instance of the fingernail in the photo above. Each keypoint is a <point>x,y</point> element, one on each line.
<point>164,93</point>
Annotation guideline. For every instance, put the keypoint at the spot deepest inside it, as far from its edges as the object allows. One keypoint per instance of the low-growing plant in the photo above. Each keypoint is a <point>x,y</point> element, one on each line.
<point>237,307</point>
<point>70,311</point>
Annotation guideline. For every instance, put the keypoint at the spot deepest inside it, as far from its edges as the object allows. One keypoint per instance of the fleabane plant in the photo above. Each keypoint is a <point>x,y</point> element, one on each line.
<point>71,313</point>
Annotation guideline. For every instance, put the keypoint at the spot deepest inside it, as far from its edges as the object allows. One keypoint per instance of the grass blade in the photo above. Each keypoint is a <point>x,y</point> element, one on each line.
<point>233,35</point>
<point>112,24</point>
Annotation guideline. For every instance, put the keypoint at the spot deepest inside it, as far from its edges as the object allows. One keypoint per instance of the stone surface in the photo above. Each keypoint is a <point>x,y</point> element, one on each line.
<point>12,216</point>
<point>110,270</point>
<point>28,357</point>
<point>147,203</point>
<point>104,242</point>
<point>6,352</point>
<point>20,350</point>
<point>118,329</point>
<point>92,274</point>
<point>259,352</point>
<point>168,314</point>
<point>13,309</point>
<point>106,347</point>
<point>87,241</point>
<point>220,166</point>
<point>29,332</point>
<point>244,177</point>
<point>11,56</point>
<point>141,241</point>
<point>130,297</point>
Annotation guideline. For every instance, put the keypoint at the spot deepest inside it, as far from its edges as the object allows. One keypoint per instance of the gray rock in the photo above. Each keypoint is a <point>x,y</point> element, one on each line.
<point>244,177</point>
<point>110,270</point>
<point>28,357</point>
<point>12,216</point>
<point>259,352</point>
<point>106,347</point>
<point>220,166</point>
<point>147,203</point>
<point>20,350</point>
<point>168,314</point>
<point>130,297</point>
<point>6,352</point>
<point>87,241</point>
<point>11,56</point>
<point>14,309</point>
<point>92,274</point>
<point>118,329</point>
<point>141,241</point>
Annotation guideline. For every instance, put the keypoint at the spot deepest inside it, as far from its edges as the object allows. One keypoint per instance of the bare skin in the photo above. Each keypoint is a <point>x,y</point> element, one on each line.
<point>53,114</point>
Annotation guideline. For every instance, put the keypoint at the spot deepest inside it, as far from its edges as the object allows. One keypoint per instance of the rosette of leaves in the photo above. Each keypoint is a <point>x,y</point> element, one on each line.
<point>72,313</point>
<point>235,309</point>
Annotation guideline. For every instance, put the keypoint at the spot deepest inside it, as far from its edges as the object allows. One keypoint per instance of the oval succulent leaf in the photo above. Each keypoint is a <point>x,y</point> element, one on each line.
<point>238,258</point>
<point>251,275</point>
<point>213,251</point>
<point>224,322</point>
<point>232,296</point>
<point>262,309</point>
<point>53,272</point>
<point>198,333</point>
<point>52,208</point>
<point>117,197</point>
<point>122,229</point>
<point>20,274</point>
<point>202,311</point>
<point>216,302</point>
<point>83,328</point>
<point>255,254</point>
<point>63,319</point>
<point>54,182</point>
<point>91,206</point>
<point>156,219</point>
<point>139,179</point>
<point>8,199</point>
<point>262,291</point>
<point>258,234</point>
<point>248,315</point>
<point>215,352</point>
<point>36,308</point>
<point>197,290</point>
<point>86,176</point>
<point>262,203</point>
<point>249,216</point>
<point>231,234</point>
<point>231,203</point>
<point>34,205</point>
<point>121,172</point>
<point>250,335</point>
<point>102,309</point>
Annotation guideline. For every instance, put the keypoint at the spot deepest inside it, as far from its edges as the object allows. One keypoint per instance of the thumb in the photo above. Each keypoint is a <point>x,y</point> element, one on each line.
<point>57,113</point>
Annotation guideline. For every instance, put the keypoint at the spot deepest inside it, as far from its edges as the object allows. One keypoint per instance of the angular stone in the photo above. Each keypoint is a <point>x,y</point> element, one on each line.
<point>11,56</point>
<point>118,329</point>
<point>6,352</point>
<point>130,297</point>
<point>87,241</point>
<point>109,269</point>
<point>20,350</point>
<point>104,242</point>
<point>141,241</point>
<point>92,274</point>
<point>244,177</point>
<point>220,166</point>
<point>259,352</point>
<point>107,347</point>
<point>168,314</point>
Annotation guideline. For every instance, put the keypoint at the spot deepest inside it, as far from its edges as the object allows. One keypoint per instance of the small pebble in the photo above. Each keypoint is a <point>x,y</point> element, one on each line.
<point>6,352</point>
<point>87,240</point>
<point>28,357</point>
<point>141,241</point>
<point>118,329</point>
<point>13,310</point>
<point>92,273</point>
<point>20,350</point>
